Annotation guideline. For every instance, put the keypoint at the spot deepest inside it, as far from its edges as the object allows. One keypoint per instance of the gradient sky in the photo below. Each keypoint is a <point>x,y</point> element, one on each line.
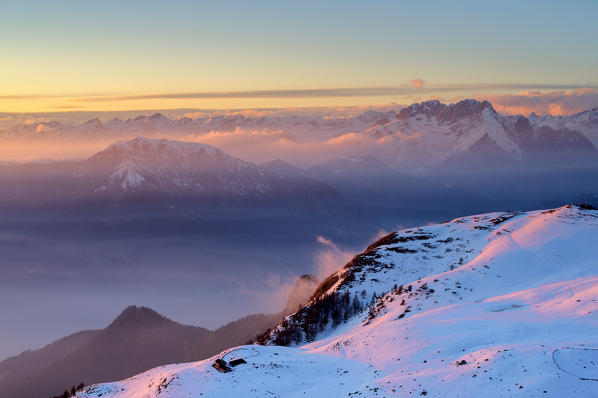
<point>62,55</point>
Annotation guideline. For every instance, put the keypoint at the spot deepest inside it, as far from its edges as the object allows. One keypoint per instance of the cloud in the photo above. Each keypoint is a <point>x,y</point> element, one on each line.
<point>40,128</point>
<point>415,86</point>
<point>270,292</point>
<point>330,258</point>
<point>558,102</point>
<point>325,241</point>
<point>28,96</point>
<point>417,83</point>
<point>259,146</point>
<point>382,233</point>
<point>197,114</point>
<point>265,94</point>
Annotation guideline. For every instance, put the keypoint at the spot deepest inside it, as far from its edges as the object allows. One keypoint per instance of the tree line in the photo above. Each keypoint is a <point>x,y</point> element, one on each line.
<point>70,393</point>
<point>332,309</point>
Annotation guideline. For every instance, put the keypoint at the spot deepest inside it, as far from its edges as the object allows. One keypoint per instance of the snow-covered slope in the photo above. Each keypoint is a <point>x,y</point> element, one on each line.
<point>499,304</point>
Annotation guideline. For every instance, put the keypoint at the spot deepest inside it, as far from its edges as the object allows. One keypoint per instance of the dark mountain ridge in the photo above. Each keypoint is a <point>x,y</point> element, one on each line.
<point>137,340</point>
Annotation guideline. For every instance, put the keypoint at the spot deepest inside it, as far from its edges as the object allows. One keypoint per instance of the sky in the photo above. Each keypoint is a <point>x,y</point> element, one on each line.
<point>126,55</point>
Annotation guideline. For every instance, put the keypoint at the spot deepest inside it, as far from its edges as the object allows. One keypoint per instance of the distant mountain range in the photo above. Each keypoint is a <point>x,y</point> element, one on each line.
<point>368,180</point>
<point>423,136</point>
<point>137,340</point>
<point>471,132</point>
<point>162,170</point>
<point>167,177</point>
<point>337,169</point>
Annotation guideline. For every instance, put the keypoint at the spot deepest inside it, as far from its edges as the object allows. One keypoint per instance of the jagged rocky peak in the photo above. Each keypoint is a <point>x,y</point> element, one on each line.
<point>470,106</point>
<point>447,113</point>
<point>427,108</point>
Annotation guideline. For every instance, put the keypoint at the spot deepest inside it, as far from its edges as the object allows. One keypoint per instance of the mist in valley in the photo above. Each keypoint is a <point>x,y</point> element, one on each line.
<point>75,268</point>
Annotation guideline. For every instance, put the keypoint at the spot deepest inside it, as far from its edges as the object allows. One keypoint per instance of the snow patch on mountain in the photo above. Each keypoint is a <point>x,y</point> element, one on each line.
<point>127,176</point>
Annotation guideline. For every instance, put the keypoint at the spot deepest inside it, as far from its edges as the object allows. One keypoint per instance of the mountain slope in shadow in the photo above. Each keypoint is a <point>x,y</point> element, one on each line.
<point>137,340</point>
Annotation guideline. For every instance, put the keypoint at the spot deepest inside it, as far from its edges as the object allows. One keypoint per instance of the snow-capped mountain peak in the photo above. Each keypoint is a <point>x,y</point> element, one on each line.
<point>143,162</point>
<point>471,133</point>
<point>171,170</point>
<point>451,113</point>
<point>163,172</point>
<point>430,134</point>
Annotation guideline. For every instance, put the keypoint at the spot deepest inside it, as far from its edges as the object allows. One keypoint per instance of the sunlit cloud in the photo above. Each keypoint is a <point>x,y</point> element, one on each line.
<point>27,96</point>
<point>326,242</point>
<point>330,257</point>
<point>414,90</point>
<point>263,145</point>
<point>414,86</point>
<point>417,83</point>
<point>261,94</point>
<point>560,102</point>
<point>41,128</point>
<point>271,292</point>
